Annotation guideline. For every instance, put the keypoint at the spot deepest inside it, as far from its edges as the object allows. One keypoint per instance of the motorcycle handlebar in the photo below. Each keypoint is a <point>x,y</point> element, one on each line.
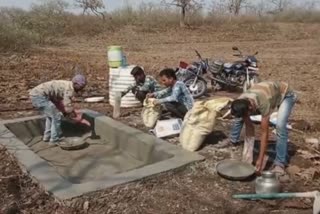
<point>240,53</point>
<point>198,54</point>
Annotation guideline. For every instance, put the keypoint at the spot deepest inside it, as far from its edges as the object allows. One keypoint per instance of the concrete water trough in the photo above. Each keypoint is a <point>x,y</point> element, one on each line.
<point>119,154</point>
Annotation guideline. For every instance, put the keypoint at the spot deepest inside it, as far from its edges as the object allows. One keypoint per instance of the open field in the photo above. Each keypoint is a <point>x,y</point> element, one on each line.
<point>287,51</point>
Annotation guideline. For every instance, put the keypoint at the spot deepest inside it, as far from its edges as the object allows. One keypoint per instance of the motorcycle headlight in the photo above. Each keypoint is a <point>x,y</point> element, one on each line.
<point>253,64</point>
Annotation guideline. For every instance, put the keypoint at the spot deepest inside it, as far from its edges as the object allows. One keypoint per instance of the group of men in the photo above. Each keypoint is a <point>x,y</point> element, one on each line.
<point>262,98</point>
<point>175,97</point>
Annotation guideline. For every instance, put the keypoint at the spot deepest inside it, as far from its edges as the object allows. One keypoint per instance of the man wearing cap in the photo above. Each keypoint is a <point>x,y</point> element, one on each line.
<point>144,84</point>
<point>53,98</point>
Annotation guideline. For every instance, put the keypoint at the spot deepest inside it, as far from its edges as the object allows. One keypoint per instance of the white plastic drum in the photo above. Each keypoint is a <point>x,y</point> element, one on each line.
<point>119,80</point>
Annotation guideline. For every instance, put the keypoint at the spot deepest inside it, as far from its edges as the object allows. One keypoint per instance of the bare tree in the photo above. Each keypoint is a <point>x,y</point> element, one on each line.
<point>185,6</point>
<point>312,4</point>
<point>234,6</point>
<point>261,8</point>
<point>280,5</point>
<point>51,6</point>
<point>218,7</point>
<point>93,5</point>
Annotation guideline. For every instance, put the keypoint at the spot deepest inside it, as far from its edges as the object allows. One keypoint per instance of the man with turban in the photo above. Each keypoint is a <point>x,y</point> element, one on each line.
<point>53,98</point>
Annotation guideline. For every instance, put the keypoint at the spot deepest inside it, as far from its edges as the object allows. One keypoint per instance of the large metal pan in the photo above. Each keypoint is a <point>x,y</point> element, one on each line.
<point>235,169</point>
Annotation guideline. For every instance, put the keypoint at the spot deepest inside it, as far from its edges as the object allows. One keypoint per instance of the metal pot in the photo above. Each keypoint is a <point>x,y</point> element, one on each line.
<point>267,183</point>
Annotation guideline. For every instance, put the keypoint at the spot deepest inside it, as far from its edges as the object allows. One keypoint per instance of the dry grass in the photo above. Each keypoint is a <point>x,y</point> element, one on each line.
<point>287,51</point>
<point>298,15</point>
<point>14,38</point>
<point>49,23</point>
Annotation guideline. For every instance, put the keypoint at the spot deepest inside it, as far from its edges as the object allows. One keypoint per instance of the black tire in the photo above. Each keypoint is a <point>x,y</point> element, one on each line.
<point>201,87</point>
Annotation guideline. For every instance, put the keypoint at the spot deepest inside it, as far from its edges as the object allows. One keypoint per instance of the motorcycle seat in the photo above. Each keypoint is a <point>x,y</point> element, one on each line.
<point>228,70</point>
<point>237,66</point>
<point>227,65</point>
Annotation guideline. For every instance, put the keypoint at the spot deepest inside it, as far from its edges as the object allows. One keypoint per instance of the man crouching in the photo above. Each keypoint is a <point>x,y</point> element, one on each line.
<point>176,98</point>
<point>144,84</point>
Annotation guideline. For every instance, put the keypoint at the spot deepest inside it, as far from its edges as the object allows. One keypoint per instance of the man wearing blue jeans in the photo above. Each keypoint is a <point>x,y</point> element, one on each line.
<point>263,98</point>
<point>54,99</point>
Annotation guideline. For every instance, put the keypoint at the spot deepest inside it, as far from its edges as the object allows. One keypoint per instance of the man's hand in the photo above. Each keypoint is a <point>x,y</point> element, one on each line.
<point>59,105</point>
<point>150,95</point>
<point>156,102</point>
<point>76,116</point>
<point>134,90</point>
<point>263,142</point>
<point>72,114</point>
<point>259,165</point>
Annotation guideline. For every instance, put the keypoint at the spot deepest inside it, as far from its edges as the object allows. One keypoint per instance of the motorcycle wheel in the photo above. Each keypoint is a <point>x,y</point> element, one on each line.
<point>253,80</point>
<point>199,89</point>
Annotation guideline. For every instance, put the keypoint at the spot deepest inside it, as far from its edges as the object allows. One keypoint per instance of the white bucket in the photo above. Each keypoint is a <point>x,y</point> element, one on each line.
<point>119,80</point>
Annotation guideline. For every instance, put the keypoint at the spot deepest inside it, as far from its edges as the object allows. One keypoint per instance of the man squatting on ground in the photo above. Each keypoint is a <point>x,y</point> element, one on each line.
<point>176,97</point>
<point>53,98</point>
<point>263,98</point>
<point>144,84</point>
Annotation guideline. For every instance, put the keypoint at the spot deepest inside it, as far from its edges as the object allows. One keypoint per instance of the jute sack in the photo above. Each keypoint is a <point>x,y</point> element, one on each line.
<point>200,121</point>
<point>150,113</point>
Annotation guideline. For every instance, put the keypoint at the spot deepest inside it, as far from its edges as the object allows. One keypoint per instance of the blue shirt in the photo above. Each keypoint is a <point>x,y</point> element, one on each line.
<point>178,93</point>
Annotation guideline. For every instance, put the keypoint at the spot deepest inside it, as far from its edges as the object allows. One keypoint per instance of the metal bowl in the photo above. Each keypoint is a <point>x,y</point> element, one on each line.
<point>235,169</point>
<point>75,143</point>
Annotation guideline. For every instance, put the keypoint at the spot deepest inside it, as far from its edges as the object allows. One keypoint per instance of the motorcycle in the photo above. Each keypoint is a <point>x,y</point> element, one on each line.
<point>192,76</point>
<point>241,73</point>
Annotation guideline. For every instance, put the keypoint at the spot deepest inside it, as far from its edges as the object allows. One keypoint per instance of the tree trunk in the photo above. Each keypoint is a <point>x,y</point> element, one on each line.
<point>236,10</point>
<point>237,7</point>
<point>183,16</point>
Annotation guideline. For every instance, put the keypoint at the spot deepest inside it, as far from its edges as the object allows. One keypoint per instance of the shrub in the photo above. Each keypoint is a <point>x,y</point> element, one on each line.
<point>49,21</point>
<point>15,38</point>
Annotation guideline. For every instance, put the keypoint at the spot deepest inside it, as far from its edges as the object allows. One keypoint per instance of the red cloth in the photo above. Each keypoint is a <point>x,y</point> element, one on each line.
<point>78,117</point>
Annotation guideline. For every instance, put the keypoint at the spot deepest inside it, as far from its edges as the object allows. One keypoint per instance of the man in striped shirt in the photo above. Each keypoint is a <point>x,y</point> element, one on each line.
<point>176,98</point>
<point>263,98</point>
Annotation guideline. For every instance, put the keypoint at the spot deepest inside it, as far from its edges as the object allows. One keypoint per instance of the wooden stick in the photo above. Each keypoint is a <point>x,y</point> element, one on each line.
<point>8,177</point>
<point>117,104</point>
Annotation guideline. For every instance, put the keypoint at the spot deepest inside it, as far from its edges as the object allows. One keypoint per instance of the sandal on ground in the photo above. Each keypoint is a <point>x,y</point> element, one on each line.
<point>280,173</point>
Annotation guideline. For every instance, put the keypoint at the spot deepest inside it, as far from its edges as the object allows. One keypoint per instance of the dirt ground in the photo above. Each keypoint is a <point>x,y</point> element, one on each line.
<point>289,52</point>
